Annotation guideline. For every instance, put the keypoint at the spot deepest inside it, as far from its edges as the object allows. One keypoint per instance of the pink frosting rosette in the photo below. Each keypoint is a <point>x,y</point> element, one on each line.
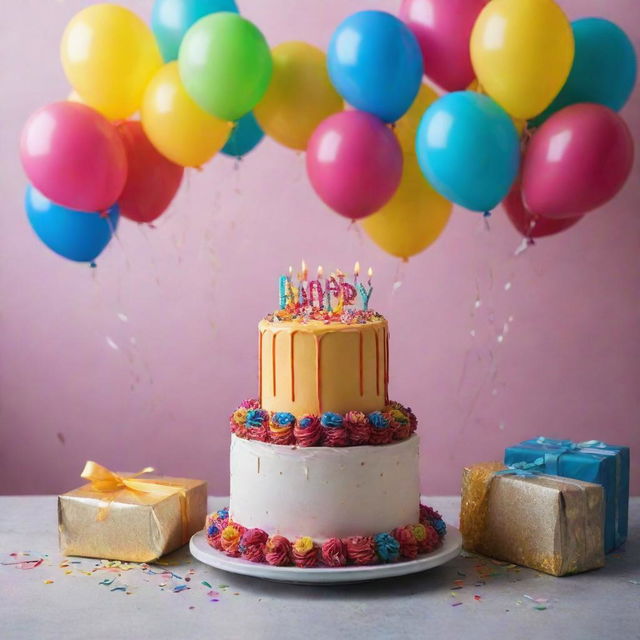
<point>334,433</point>
<point>252,403</point>
<point>407,541</point>
<point>308,431</point>
<point>238,422</point>
<point>398,422</point>
<point>278,551</point>
<point>334,552</point>
<point>305,553</point>
<point>281,426</point>
<point>413,421</point>
<point>230,539</point>
<point>258,425</point>
<point>358,428</point>
<point>252,544</point>
<point>381,432</point>
<point>426,537</point>
<point>361,550</point>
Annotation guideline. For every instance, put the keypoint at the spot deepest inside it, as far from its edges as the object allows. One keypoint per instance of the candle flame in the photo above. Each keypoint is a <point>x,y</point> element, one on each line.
<point>290,270</point>
<point>356,269</point>
<point>303,268</point>
<point>370,272</point>
<point>320,272</point>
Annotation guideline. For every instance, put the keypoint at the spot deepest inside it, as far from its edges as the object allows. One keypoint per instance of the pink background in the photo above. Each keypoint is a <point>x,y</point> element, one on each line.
<point>141,361</point>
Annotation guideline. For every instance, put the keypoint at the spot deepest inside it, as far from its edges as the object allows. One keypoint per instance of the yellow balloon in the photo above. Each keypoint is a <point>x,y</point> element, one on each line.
<point>109,55</point>
<point>177,127</point>
<point>299,97</point>
<point>522,52</point>
<point>416,214</point>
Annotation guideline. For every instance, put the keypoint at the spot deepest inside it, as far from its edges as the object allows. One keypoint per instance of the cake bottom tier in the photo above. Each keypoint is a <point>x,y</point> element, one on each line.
<point>324,492</point>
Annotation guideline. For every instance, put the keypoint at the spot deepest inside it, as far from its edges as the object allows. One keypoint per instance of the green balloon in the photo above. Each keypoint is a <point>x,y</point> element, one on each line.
<point>225,64</point>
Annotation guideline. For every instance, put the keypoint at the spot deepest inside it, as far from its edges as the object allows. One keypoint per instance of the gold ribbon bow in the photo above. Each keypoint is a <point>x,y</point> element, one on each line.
<point>106,481</point>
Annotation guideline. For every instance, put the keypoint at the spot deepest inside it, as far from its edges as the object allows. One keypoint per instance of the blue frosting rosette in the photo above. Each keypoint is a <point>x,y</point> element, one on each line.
<point>331,420</point>
<point>387,547</point>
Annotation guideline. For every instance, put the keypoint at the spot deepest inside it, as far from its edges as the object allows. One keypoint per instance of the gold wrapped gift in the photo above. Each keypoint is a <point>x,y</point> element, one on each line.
<point>126,517</point>
<point>548,523</point>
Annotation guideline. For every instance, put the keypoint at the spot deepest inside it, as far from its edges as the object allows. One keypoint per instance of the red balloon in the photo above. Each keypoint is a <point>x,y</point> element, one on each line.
<point>152,181</point>
<point>443,29</point>
<point>354,163</point>
<point>576,161</point>
<point>531,225</point>
<point>74,156</point>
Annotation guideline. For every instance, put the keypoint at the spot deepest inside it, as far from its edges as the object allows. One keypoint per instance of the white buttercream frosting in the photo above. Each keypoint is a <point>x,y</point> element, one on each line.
<point>324,492</point>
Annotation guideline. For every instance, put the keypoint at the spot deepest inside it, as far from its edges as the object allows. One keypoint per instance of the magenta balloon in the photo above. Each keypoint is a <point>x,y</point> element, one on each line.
<point>576,161</point>
<point>74,156</point>
<point>354,163</point>
<point>443,29</point>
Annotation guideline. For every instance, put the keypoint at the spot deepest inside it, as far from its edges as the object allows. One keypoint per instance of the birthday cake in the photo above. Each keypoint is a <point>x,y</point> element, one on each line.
<point>324,467</point>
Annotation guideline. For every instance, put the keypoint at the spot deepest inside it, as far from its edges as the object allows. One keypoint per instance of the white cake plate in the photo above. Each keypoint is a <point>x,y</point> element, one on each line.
<point>450,548</point>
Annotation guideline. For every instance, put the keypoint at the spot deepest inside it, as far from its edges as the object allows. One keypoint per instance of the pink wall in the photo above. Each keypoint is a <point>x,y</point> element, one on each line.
<point>141,361</point>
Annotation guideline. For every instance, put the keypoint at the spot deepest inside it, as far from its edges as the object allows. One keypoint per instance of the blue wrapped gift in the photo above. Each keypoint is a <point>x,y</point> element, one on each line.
<point>591,461</point>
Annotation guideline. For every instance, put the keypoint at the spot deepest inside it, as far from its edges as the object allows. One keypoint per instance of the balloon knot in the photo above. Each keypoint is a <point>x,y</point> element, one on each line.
<point>530,241</point>
<point>486,214</point>
<point>93,265</point>
<point>104,213</point>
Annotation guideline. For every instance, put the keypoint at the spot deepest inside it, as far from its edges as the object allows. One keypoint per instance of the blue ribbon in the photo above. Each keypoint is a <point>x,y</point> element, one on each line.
<point>524,469</point>
<point>552,458</point>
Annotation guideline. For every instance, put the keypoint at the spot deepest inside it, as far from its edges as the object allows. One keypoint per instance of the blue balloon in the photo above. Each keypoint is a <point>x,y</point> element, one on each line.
<point>603,71</point>
<point>375,64</point>
<point>468,149</point>
<point>244,137</point>
<point>77,235</point>
<point>171,19</point>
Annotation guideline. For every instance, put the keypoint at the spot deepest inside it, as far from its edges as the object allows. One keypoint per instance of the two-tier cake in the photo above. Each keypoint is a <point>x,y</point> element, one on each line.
<point>324,468</point>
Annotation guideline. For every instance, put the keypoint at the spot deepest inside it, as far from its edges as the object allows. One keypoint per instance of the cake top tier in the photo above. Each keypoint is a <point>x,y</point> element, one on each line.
<point>334,299</point>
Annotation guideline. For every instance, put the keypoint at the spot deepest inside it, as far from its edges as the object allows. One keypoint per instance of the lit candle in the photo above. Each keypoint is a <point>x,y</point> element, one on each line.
<point>356,273</point>
<point>302,279</point>
<point>283,292</point>
<point>364,294</point>
<point>316,286</point>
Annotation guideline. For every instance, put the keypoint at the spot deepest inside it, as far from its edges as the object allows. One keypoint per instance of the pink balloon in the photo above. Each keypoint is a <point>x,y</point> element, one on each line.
<point>443,29</point>
<point>531,225</point>
<point>576,161</point>
<point>74,156</point>
<point>354,163</point>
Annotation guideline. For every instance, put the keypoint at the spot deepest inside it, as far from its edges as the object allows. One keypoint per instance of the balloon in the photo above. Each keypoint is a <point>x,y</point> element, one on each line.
<point>178,128</point>
<point>416,214</point>
<point>468,149</point>
<point>171,19</point>
<point>531,225</point>
<point>109,55</point>
<point>152,180</point>
<point>354,163</point>
<point>74,156</point>
<point>245,136</point>
<point>603,71</point>
<point>299,97</point>
<point>443,29</point>
<point>576,161</point>
<point>225,65</point>
<point>375,63</point>
<point>522,53</point>
<point>77,235</point>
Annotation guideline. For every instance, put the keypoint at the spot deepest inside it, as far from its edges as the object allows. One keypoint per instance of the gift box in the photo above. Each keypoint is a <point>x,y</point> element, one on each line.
<point>548,523</point>
<point>127,517</point>
<point>591,461</point>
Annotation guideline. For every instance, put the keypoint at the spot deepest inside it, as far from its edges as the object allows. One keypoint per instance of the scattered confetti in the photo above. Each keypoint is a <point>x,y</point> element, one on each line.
<point>206,584</point>
<point>634,581</point>
<point>540,607</point>
<point>120,588</point>
<point>461,573</point>
<point>456,604</point>
<point>476,597</point>
<point>180,587</point>
<point>48,581</point>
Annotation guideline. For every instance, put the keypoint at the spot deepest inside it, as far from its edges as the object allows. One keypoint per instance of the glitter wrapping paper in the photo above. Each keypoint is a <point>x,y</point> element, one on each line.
<point>548,523</point>
<point>132,526</point>
<point>607,465</point>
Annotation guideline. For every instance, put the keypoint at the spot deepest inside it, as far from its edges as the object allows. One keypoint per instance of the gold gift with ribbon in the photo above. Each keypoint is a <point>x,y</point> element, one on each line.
<point>129,517</point>
<point>548,523</point>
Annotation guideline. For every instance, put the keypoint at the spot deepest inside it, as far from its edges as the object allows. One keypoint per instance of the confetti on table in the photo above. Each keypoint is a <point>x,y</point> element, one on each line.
<point>120,588</point>
<point>476,597</point>
<point>456,604</point>
<point>206,584</point>
<point>634,581</point>
<point>48,581</point>
<point>540,607</point>
<point>180,587</point>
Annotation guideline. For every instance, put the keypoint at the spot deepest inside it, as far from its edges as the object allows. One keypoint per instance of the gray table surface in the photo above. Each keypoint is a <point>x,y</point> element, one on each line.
<point>497,599</point>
